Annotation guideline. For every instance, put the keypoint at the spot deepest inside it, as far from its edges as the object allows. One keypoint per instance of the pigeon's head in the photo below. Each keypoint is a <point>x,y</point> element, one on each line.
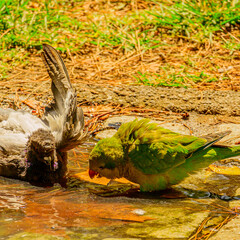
<point>41,147</point>
<point>107,159</point>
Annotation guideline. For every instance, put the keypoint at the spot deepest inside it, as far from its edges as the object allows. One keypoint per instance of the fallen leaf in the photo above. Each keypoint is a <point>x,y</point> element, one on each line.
<point>102,180</point>
<point>32,103</point>
<point>234,170</point>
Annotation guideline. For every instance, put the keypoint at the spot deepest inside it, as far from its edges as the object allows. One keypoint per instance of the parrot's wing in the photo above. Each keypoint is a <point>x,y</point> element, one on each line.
<point>64,118</point>
<point>159,156</point>
<point>153,149</point>
<point>161,151</point>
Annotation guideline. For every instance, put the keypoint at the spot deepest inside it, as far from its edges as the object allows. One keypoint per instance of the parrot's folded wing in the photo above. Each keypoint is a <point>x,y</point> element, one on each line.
<point>162,156</point>
<point>64,118</point>
<point>168,151</point>
<point>153,149</point>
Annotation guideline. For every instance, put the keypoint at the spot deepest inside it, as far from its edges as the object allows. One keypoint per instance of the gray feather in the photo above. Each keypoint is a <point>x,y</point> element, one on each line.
<point>65,119</point>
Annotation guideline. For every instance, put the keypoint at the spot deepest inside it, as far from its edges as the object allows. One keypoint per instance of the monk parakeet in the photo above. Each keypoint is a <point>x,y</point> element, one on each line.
<point>154,157</point>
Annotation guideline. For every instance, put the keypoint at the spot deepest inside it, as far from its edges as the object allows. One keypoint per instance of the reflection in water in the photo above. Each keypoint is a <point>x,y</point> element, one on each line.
<point>53,210</point>
<point>78,213</point>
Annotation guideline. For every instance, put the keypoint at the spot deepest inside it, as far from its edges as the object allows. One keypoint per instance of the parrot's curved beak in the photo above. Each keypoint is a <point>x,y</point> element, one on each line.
<point>92,173</point>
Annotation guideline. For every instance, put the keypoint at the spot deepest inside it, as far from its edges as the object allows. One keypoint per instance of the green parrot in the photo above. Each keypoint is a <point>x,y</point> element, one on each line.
<point>154,157</point>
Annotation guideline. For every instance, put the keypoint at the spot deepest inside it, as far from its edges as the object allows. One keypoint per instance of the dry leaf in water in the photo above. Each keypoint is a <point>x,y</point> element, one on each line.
<point>102,180</point>
<point>233,170</point>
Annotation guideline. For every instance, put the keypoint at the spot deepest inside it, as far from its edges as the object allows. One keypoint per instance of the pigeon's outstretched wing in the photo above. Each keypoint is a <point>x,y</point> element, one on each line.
<point>15,128</point>
<point>64,118</point>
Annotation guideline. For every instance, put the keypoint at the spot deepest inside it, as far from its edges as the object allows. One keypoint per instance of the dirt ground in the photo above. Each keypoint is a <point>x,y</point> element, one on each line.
<point>140,96</point>
<point>162,98</point>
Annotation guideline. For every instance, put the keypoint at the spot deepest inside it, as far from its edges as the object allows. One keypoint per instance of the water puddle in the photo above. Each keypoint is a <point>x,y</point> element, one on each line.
<point>90,210</point>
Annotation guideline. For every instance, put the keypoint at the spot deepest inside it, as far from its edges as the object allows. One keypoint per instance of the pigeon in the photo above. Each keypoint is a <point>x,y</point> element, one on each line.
<point>35,149</point>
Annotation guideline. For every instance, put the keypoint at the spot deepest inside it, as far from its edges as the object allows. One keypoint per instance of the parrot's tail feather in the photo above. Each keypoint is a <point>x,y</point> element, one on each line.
<point>212,139</point>
<point>215,136</point>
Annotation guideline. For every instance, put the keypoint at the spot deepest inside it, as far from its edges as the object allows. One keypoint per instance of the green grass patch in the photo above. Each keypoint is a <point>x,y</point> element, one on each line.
<point>198,19</point>
<point>175,79</point>
<point>28,24</point>
<point>58,23</point>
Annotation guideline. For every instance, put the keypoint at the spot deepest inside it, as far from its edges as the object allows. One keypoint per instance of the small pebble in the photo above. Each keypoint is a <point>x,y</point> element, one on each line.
<point>139,212</point>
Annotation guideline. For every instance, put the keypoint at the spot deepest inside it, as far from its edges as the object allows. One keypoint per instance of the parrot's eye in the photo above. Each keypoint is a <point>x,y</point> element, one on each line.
<point>101,167</point>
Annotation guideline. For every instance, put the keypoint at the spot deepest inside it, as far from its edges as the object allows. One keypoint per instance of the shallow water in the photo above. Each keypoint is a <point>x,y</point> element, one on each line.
<point>81,211</point>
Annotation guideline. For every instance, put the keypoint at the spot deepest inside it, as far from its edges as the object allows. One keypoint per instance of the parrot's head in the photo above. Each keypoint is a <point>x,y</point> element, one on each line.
<point>107,159</point>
